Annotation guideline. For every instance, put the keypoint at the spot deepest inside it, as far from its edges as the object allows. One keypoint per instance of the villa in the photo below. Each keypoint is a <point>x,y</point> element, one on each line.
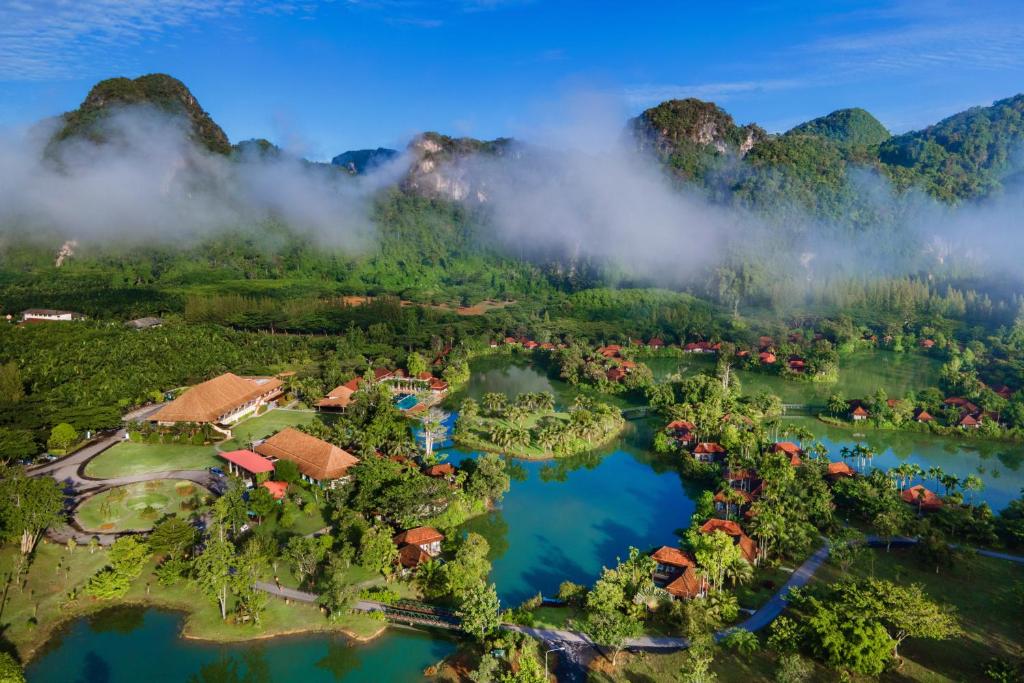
<point>796,364</point>
<point>922,415</point>
<point>418,545</point>
<point>319,462</point>
<point>222,400</point>
<point>681,431</point>
<point>921,497</point>
<point>791,449</point>
<point>968,421</point>
<point>444,471</point>
<point>926,343</point>
<point>839,470</point>
<point>610,351</point>
<point>676,572</point>
<point>339,397</point>
<point>616,374</point>
<point>767,357</point>
<point>857,410</point>
<point>745,543</point>
<point>277,489</point>
<point>708,451</point>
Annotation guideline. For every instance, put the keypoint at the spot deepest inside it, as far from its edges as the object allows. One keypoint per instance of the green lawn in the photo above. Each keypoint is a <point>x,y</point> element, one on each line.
<point>264,425</point>
<point>136,507</point>
<point>128,458</point>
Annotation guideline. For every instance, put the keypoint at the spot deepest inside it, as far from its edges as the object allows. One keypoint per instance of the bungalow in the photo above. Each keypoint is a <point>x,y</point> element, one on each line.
<point>838,470</point>
<point>962,403</point>
<point>220,401</point>
<point>655,343</point>
<point>277,489</point>
<point>731,528</point>
<point>765,343</point>
<point>444,471</point>
<point>676,572</point>
<point>708,451</point>
<point>49,315</point>
<point>767,357</point>
<point>681,430</point>
<point>547,346</point>
<point>921,497</point>
<point>702,347</point>
<point>531,345</point>
<point>247,464</point>
<point>610,351</point>
<point>926,343</point>
<point>857,411</point>
<point>510,340</point>
<point>791,449</point>
<point>743,353</point>
<point>418,545</point>
<point>968,421</point>
<point>319,462</point>
<point>339,397</point>
<point>615,374</point>
<point>922,415</point>
<point>796,364</point>
<point>1003,391</point>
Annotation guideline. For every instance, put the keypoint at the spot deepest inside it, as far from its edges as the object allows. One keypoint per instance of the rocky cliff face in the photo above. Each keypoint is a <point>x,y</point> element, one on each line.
<point>441,166</point>
<point>692,124</point>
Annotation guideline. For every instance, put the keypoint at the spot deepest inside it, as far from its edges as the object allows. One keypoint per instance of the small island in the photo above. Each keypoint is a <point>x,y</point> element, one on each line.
<point>530,427</point>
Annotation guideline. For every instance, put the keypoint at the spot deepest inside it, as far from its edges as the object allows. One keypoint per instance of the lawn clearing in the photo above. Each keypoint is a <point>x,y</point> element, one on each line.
<point>264,425</point>
<point>128,459</point>
<point>136,507</point>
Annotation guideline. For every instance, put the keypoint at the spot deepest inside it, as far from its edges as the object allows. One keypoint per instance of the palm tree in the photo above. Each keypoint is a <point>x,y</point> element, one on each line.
<point>494,403</point>
<point>971,484</point>
<point>935,472</point>
<point>739,572</point>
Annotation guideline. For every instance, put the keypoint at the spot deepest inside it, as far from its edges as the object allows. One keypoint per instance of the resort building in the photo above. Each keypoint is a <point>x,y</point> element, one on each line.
<point>922,498</point>
<point>922,415</point>
<point>676,572</point>
<point>278,489</point>
<point>319,462</point>
<point>247,465</point>
<point>730,528</point>
<point>839,470</point>
<point>220,401</point>
<point>48,315</point>
<point>681,431</point>
<point>790,449</point>
<point>418,545</point>
<point>767,357</point>
<point>708,451</point>
<point>444,471</point>
<point>339,397</point>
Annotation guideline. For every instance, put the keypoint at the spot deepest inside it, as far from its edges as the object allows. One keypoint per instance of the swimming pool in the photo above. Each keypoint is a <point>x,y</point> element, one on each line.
<point>406,402</point>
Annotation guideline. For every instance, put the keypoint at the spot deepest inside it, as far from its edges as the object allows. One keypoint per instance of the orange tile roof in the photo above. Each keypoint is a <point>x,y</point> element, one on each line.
<point>277,488</point>
<point>689,584</point>
<point>418,536</point>
<point>929,500</point>
<point>208,401</point>
<point>412,556</point>
<point>673,556</point>
<point>316,458</point>
<point>840,469</point>
<point>727,526</point>
<point>708,447</point>
<point>339,397</point>
<point>443,470</point>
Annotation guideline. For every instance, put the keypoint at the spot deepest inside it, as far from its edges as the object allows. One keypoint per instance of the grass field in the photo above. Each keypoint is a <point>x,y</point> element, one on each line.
<point>264,425</point>
<point>136,507</point>
<point>127,459</point>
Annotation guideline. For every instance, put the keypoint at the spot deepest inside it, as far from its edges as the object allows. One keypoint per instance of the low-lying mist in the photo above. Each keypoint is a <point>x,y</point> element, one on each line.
<point>147,180</point>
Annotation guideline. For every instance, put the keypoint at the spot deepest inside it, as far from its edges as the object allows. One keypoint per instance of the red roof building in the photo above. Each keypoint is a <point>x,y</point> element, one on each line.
<point>791,449</point>
<point>615,374</point>
<point>767,357</point>
<point>676,571</point>
<point>731,528</point>
<point>247,461</point>
<point>837,470</point>
<point>859,413</point>
<point>926,343</point>
<point>968,421</point>
<point>443,471</point>
<point>418,545</point>
<point>277,488</point>
<point>655,343</point>
<point>922,415</point>
<point>923,498</point>
<point>708,451</point>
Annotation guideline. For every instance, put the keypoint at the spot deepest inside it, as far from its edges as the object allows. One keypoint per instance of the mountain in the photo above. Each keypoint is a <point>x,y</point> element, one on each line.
<point>438,168</point>
<point>845,127</point>
<point>358,161</point>
<point>156,90</point>
<point>692,137</point>
<point>964,156</point>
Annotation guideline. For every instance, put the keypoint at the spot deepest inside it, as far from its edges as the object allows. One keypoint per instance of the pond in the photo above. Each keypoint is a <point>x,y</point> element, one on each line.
<point>132,644</point>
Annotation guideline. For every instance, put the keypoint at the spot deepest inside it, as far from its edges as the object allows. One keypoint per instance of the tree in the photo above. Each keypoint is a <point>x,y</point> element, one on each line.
<point>10,669</point>
<point>262,502</point>
<point>62,437</point>
<point>793,669</point>
<point>846,547</point>
<point>479,611</point>
<point>469,567</point>
<point>28,506</point>
<point>433,429</point>
<point>701,657</point>
<point>742,641</point>
<point>887,524</point>
<point>907,612</point>
<point>173,536</point>
<point>16,444</point>
<point>610,628</point>
<point>714,553</point>
<point>287,471</point>
<point>488,478</point>
<point>415,364</point>
<point>487,670</point>
<point>214,566</point>
<point>337,594</point>
<point>249,565</point>
<point>125,561</point>
<point>377,552</point>
<point>12,388</point>
<point>305,554</point>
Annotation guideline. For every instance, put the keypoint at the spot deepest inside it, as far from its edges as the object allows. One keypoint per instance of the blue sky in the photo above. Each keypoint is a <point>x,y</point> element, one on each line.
<point>322,77</point>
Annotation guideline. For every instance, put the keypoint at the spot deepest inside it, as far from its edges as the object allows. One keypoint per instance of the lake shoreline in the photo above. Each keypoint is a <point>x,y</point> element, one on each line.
<point>487,446</point>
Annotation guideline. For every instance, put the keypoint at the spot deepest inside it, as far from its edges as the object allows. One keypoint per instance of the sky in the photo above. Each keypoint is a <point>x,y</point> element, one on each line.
<point>323,77</point>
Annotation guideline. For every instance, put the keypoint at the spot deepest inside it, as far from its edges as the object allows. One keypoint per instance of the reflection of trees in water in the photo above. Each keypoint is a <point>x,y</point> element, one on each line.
<point>95,669</point>
<point>122,620</point>
<point>494,529</point>
<point>341,658</point>
<point>1012,460</point>
<point>560,469</point>
<point>248,667</point>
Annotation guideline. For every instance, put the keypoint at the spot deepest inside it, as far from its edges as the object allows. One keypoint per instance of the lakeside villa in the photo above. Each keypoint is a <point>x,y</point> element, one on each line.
<point>676,572</point>
<point>411,394</point>
<point>418,545</point>
<point>221,401</point>
<point>319,462</point>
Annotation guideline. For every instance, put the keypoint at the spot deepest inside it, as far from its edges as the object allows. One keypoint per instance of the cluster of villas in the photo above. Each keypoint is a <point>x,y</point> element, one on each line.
<point>677,572</point>
<point>969,414</point>
<point>623,366</point>
<point>411,394</point>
